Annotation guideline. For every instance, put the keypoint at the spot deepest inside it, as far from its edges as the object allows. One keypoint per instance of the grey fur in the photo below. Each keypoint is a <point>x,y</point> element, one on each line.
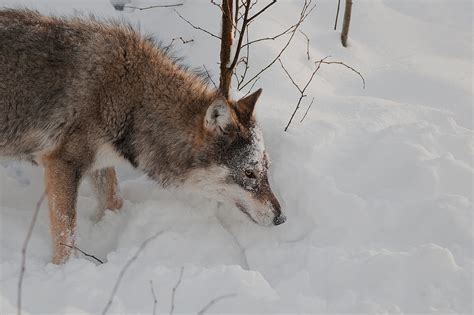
<point>71,86</point>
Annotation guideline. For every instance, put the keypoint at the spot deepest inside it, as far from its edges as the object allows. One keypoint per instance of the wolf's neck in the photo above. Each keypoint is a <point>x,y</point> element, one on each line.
<point>177,89</point>
<point>176,102</point>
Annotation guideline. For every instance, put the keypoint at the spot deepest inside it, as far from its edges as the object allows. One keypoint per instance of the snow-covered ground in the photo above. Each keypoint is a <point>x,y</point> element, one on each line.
<point>377,183</point>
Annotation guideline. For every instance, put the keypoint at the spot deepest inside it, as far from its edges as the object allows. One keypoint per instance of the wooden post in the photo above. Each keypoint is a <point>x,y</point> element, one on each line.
<point>346,23</point>
<point>226,44</point>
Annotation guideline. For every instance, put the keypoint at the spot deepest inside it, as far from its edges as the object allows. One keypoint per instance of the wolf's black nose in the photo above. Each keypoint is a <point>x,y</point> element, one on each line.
<point>279,219</point>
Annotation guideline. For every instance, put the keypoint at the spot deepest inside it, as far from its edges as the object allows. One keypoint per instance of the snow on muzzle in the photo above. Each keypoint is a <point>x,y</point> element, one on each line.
<point>261,206</point>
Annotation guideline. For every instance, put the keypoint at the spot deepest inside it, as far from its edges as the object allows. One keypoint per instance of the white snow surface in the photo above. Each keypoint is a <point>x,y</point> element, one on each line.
<point>377,183</point>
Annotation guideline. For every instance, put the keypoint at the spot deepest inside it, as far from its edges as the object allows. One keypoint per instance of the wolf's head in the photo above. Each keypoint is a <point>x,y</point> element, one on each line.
<point>239,162</point>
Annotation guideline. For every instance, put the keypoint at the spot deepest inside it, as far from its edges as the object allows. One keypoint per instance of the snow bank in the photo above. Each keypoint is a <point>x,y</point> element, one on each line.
<point>376,183</point>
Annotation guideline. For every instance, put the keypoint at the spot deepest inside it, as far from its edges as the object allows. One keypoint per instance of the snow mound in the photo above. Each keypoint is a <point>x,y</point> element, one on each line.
<point>377,184</point>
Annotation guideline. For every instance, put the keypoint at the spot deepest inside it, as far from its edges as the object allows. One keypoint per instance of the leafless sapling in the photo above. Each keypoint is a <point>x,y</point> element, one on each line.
<point>302,90</point>
<point>124,270</point>
<point>346,23</point>
<point>23,252</point>
<point>237,16</point>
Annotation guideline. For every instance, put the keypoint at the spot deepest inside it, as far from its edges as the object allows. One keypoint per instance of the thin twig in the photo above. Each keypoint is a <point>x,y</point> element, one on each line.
<point>307,110</point>
<point>247,66</point>
<point>209,76</point>
<point>307,44</point>
<point>214,301</point>
<point>227,65</point>
<point>155,301</point>
<point>289,77</point>
<point>301,90</point>
<point>251,87</point>
<point>347,66</point>
<point>23,251</point>
<point>216,4</point>
<point>252,5</point>
<point>241,35</point>
<point>173,293</point>
<point>124,269</point>
<point>286,31</point>
<point>155,6</point>
<point>305,11</point>
<point>295,110</point>
<point>261,11</point>
<point>235,76</point>
<point>184,41</point>
<point>196,27</point>
<point>83,252</point>
<point>236,14</point>
<point>337,13</point>
<point>245,23</point>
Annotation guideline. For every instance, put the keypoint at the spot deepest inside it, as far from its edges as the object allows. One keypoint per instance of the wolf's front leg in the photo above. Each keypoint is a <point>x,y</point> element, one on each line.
<point>105,185</point>
<point>62,180</point>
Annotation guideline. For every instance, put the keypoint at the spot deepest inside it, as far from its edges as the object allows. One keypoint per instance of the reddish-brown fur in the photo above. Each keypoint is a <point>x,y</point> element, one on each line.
<point>76,95</point>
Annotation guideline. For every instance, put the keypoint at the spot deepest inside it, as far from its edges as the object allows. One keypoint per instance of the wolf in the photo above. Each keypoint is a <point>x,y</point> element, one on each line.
<point>79,96</point>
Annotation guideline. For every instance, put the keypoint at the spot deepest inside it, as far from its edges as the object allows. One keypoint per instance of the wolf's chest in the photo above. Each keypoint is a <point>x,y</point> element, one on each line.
<point>107,156</point>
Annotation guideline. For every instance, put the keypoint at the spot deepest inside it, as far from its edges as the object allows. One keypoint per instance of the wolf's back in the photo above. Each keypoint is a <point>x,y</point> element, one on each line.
<point>39,58</point>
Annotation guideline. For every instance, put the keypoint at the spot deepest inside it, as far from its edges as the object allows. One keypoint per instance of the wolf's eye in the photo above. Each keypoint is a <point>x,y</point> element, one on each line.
<point>249,174</point>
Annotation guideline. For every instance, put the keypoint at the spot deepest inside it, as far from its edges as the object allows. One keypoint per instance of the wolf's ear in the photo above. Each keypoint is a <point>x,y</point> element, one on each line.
<point>245,106</point>
<point>218,116</point>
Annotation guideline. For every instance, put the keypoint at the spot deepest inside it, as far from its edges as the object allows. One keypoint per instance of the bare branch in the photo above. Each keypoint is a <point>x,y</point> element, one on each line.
<point>305,11</point>
<point>261,11</point>
<point>209,76</point>
<point>216,4</point>
<point>241,35</point>
<point>294,112</point>
<point>251,87</point>
<point>229,70</point>
<point>155,6</point>
<point>303,90</point>
<point>253,4</point>
<point>289,76</point>
<point>226,69</point>
<point>307,110</point>
<point>214,301</point>
<point>286,31</point>
<point>247,66</point>
<point>83,252</point>
<point>236,14</point>
<point>23,251</point>
<point>337,13</point>
<point>196,27</point>
<point>155,301</point>
<point>125,267</point>
<point>314,72</point>
<point>235,76</point>
<point>307,44</point>
<point>347,66</point>
<point>184,41</point>
<point>173,294</point>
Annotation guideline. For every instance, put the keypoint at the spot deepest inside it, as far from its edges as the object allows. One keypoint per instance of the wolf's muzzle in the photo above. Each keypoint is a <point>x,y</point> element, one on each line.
<point>279,219</point>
